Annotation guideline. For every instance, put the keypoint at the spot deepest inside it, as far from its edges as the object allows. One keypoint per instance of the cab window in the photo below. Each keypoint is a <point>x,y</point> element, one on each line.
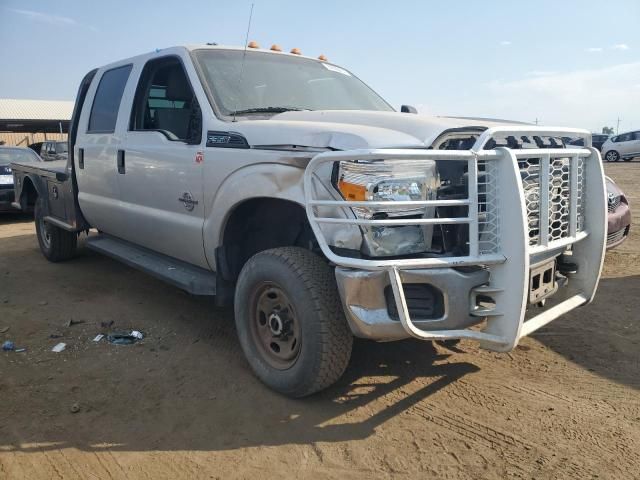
<point>165,102</point>
<point>106,103</point>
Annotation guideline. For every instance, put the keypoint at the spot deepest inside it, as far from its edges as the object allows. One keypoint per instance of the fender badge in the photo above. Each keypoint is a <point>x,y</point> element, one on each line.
<point>199,157</point>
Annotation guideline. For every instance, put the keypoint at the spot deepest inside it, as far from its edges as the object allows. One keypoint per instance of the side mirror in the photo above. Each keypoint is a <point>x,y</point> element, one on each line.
<point>408,109</point>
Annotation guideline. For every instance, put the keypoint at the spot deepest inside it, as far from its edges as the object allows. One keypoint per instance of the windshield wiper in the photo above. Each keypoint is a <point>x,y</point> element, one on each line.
<point>268,110</point>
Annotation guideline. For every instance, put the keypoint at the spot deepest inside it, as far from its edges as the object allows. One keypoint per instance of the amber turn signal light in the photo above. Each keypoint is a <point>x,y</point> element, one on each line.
<point>351,191</point>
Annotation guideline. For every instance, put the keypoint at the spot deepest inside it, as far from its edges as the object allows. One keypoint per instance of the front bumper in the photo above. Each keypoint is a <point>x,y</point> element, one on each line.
<point>446,301</point>
<point>500,251</point>
<point>618,225</point>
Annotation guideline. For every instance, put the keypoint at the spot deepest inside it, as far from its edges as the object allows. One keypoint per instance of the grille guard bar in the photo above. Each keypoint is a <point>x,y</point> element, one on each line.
<point>509,262</point>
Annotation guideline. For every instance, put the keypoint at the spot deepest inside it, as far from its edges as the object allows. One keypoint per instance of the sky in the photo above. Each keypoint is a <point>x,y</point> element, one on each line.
<point>563,62</point>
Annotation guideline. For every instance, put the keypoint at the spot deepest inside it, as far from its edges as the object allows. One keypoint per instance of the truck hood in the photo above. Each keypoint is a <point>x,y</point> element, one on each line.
<point>354,129</point>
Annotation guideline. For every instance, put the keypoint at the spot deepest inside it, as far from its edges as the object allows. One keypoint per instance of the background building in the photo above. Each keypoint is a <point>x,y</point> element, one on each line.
<point>23,122</point>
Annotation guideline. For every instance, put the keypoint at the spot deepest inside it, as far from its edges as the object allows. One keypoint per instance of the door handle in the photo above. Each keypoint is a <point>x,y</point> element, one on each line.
<point>121,168</point>
<point>81,158</point>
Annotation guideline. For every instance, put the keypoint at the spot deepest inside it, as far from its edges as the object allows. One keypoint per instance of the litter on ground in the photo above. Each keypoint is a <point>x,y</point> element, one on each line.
<point>125,338</point>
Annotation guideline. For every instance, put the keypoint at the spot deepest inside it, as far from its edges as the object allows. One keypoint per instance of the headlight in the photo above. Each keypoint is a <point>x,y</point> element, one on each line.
<point>395,180</point>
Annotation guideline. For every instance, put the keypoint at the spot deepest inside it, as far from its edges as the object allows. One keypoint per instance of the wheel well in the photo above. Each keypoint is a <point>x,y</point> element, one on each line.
<point>29,194</point>
<point>260,224</point>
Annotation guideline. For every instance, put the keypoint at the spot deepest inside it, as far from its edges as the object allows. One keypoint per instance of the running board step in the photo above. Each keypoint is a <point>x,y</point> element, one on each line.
<point>194,280</point>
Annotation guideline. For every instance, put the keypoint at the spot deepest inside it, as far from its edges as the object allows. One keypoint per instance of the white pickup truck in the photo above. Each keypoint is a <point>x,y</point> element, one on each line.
<point>285,186</point>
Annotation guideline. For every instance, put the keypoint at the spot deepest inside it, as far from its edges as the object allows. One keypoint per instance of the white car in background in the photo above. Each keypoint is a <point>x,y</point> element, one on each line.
<point>625,146</point>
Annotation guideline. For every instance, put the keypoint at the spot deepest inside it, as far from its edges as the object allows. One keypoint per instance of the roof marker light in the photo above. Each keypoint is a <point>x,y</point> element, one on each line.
<point>296,51</point>
<point>322,58</point>
<point>276,48</point>
<point>253,44</point>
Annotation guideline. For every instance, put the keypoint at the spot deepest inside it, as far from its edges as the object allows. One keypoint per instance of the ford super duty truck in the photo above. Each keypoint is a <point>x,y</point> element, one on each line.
<point>285,186</point>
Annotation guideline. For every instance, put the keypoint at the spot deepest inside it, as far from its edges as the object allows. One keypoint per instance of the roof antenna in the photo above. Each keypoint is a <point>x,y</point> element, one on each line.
<point>244,54</point>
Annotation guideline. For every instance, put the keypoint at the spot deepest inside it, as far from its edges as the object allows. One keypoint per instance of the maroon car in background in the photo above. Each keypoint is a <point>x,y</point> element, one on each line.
<point>619,218</point>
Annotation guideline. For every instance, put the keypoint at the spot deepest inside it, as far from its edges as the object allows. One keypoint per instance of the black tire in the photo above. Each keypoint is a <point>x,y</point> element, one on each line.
<point>308,284</point>
<point>612,156</point>
<point>56,244</point>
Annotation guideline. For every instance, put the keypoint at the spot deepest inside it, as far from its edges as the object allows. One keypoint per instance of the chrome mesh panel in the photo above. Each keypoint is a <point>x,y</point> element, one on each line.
<point>581,193</point>
<point>559,196</point>
<point>488,212</point>
<point>530,173</point>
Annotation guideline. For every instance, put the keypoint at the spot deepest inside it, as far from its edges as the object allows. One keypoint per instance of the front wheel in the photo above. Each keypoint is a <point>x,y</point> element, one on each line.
<point>290,321</point>
<point>56,244</point>
<point>612,156</point>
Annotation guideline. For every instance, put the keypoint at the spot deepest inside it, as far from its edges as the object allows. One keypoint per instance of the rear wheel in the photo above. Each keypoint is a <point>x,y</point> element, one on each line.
<point>612,156</point>
<point>290,321</point>
<point>56,244</point>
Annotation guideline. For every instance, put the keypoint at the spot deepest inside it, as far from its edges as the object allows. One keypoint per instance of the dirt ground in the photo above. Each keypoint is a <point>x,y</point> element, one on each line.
<point>184,404</point>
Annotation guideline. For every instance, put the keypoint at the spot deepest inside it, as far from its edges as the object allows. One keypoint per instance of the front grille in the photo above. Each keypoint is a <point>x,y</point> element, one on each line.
<point>615,237</point>
<point>614,203</point>
<point>558,190</point>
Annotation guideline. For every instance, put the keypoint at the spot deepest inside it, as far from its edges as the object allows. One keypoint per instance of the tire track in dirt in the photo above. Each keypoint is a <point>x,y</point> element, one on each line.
<point>473,430</point>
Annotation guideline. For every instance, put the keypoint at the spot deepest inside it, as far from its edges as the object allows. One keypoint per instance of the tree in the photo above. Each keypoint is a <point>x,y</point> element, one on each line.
<point>607,130</point>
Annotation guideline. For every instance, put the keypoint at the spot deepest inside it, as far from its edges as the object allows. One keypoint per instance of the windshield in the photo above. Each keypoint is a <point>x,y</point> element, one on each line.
<point>275,82</point>
<point>61,147</point>
<point>18,155</point>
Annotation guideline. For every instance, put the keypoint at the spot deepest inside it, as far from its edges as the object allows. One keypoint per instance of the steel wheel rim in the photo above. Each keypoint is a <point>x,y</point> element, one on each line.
<point>275,327</point>
<point>45,234</point>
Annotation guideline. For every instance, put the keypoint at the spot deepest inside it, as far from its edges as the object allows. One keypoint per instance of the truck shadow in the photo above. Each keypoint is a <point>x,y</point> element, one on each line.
<point>8,218</point>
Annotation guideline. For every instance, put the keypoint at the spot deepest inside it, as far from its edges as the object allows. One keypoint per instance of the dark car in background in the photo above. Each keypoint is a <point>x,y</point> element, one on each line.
<point>36,147</point>
<point>8,155</point>
<point>54,150</point>
<point>619,217</point>
<point>598,139</point>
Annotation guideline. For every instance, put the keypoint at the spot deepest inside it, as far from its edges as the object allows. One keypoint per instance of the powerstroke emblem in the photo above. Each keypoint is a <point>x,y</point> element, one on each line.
<point>226,140</point>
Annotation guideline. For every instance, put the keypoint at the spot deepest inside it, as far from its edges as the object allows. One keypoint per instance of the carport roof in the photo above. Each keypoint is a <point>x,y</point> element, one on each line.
<point>35,115</point>
<point>17,109</point>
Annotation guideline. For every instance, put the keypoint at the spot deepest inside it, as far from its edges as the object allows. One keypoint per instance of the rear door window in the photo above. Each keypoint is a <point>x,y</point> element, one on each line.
<point>104,111</point>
